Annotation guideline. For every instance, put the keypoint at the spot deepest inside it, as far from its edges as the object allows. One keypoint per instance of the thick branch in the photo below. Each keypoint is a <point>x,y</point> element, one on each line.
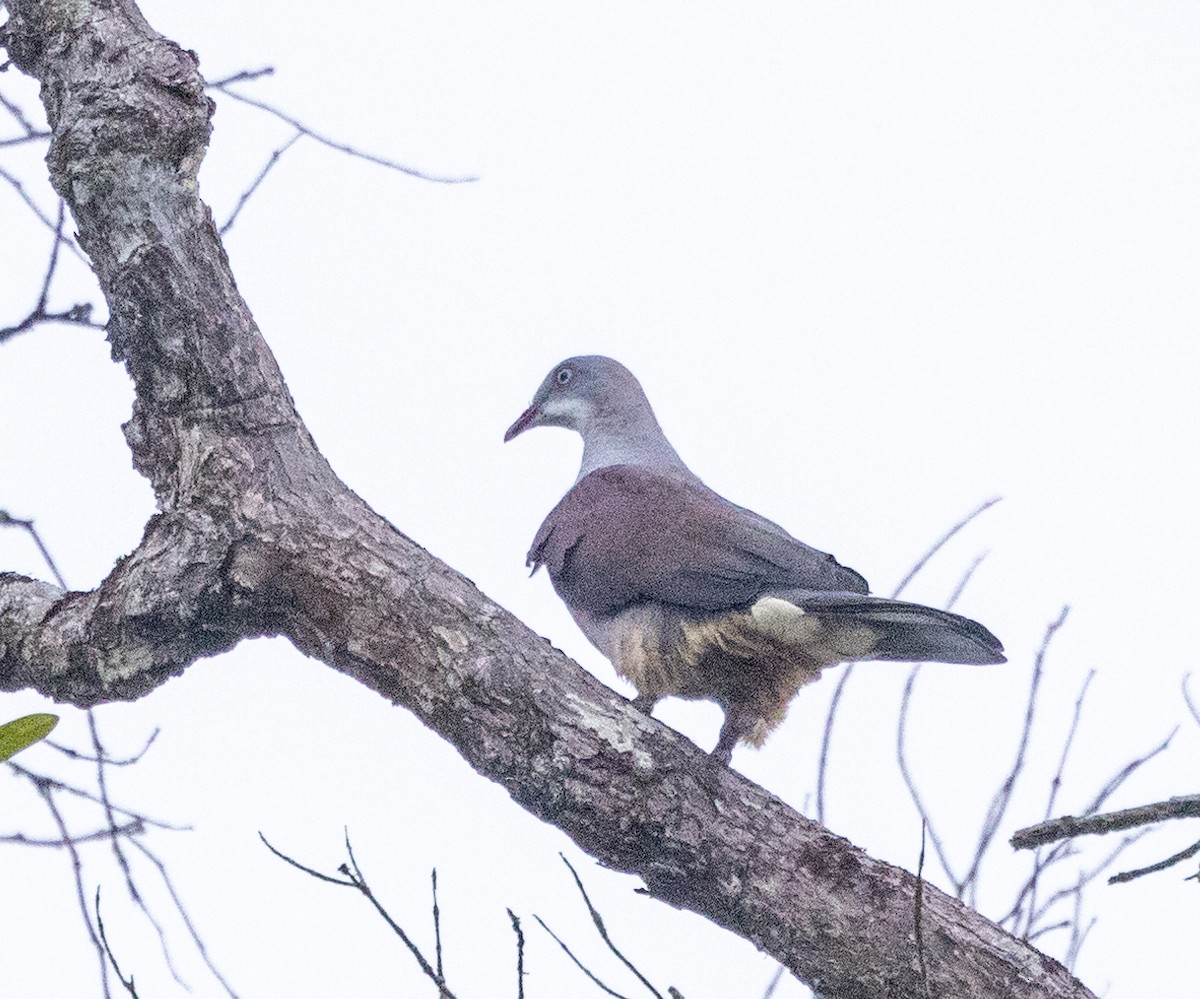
<point>257,536</point>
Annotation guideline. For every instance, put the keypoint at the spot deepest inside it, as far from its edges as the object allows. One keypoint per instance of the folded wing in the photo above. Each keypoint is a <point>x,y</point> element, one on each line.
<point>625,534</point>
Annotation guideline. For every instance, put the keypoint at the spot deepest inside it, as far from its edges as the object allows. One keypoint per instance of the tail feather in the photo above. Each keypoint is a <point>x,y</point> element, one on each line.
<point>906,632</point>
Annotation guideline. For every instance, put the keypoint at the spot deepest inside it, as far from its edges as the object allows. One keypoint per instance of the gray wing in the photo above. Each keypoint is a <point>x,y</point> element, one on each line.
<point>625,534</point>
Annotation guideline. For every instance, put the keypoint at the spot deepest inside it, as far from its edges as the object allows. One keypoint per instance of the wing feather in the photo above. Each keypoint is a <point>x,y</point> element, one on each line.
<point>625,534</point>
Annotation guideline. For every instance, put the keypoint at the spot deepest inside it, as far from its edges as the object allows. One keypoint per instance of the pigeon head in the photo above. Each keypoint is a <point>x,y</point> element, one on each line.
<point>582,394</point>
<point>603,402</point>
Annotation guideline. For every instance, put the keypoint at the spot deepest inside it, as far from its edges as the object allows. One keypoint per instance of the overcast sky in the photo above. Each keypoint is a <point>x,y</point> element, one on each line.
<point>873,263</point>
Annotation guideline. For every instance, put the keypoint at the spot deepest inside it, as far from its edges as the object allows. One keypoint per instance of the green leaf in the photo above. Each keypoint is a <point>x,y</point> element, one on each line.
<point>24,732</point>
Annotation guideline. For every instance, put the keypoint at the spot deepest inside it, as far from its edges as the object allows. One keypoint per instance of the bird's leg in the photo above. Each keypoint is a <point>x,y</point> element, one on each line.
<point>645,702</point>
<point>731,731</point>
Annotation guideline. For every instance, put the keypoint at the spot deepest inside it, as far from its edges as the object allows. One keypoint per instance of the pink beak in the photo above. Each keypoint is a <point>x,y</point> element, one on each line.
<point>526,420</point>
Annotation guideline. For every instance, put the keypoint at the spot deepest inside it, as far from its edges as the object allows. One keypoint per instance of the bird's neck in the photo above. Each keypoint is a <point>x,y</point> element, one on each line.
<point>639,442</point>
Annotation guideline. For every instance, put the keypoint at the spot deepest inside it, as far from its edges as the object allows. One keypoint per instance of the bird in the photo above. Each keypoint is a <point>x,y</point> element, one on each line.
<point>690,595</point>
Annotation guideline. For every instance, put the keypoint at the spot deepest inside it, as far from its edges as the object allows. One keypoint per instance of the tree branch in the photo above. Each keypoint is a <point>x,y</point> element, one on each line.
<point>1181,807</point>
<point>256,535</point>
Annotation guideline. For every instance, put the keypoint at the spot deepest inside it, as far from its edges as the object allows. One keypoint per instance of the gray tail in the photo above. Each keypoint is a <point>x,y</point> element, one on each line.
<point>909,632</point>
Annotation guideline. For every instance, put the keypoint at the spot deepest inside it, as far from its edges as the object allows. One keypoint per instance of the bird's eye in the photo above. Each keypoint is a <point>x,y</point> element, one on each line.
<point>564,376</point>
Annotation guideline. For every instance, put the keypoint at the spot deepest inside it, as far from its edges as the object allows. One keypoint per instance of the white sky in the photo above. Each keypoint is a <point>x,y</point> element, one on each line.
<point>874,263</point>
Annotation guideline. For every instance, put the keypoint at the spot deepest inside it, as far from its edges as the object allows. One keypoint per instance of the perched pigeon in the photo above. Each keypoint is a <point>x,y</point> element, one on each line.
<point>692,596</point>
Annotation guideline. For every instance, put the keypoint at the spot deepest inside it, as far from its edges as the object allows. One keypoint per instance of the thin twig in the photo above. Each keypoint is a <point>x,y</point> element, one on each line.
<point>44,789</point>
<point>599,923</point>
<point>437,929</point>
<point>1187,698</point>
<point>197,942</point>
<point>7,520</point>
<point>910,783</point>
<point>132,828</point>
<point>1114,783</point>
<point>36,209</point>
<point>23,140</point>
<point>110,818</point>
<point>354,879</point>
<point>347,882</point>
<point>1162,865</point>
<point>108,950</point>
<point>1003,796</point>
<point>773,984</point>
<point>917,911</point>
<point>964,579</point>
<point>115,842</point>
<point>244,76</point>
<point>272,160</point>
<point>1086,877</point>
<point>941,542</point>
<point>827,738</point>
<point>516,925</point>
<point>340,147</point>
<point>902,729</point>
<point>79,792</point>
<point>578,963</point>
<point>1055,786</point>
<point>836,699</point>
<point>18,115</point>
<point>112,761</point>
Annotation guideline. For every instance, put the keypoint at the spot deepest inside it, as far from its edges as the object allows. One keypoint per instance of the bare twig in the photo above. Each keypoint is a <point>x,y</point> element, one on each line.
<point>1182,807</point>
<point>45,790</point>
<point>7,520</point>
<point>112,761</point>
<point>919,902</point>
<point>1187,698</point>
<point>599,923</point>
<point>360,882</point>
<point>353,878</point>
<point>130,829</point>
<point>1003,796</point>
<point>516,925</point>
<point>1056,781</point>
<point>79,792</point>
<point>835,700</point>
<point>941,543</point>
<point>128,983</point>
<point>110,817</point>
<point>122,827</point>
<point>18,115</point>
<point>1042,862</point>
<point>964,579</point>
<point>1084,878</point>
<point>910,783</point>
<point>1114,783</point>
<point>23,140</point>
<point>116,843</point>
<point>197,942</point>
<point>578,963</point>
<point>1162,865</point>
<point>243,76</point>
<point>272,160</point>
<point>773,984</point>
<point>79,313</point>
<point>827,738</point>
<point>347,882</point>
<point>1079,933</point>
<point>437,929</point>
<point>37,211</point>
<point>340,147</point>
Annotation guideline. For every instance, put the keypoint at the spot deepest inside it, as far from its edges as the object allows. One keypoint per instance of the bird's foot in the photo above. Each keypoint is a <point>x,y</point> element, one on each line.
<point>644,703</point>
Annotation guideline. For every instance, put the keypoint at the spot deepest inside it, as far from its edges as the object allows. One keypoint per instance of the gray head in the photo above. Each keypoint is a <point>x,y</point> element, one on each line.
<point>600,399</point>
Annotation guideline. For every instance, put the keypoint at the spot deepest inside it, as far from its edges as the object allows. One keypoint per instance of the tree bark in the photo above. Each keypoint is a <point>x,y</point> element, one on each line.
<point>256,535</point>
